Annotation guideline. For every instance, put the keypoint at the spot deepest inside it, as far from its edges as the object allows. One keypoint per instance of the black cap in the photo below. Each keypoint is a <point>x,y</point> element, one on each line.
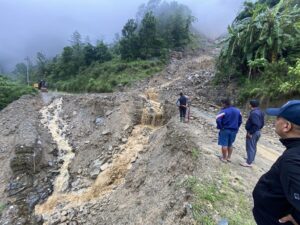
<point>254,103</point>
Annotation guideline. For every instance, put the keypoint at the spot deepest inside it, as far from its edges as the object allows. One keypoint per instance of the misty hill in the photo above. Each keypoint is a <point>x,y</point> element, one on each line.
<point>146,42</point>
<point>123,157</point>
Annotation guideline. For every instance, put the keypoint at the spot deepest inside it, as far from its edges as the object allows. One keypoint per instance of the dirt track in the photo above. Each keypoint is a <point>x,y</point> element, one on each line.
<point>131,155</point>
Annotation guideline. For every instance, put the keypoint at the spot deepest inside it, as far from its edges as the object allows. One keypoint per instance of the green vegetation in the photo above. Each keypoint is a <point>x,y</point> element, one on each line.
<point>2,207</point>
<point>10,91</point>
<point>213,199</point>
<point>195,153</point>
<point>262,50</point>
<point>103,77</point>
<point>164,26</point>
<point>142,50</point>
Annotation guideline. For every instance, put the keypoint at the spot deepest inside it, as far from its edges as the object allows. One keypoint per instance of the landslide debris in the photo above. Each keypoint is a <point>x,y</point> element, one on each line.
<point>121,158</point>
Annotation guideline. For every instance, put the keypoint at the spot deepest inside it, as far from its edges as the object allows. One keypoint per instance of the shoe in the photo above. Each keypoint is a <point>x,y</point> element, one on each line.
<point>223,160</point>
<point>245,164</point>
<point>229,160</point>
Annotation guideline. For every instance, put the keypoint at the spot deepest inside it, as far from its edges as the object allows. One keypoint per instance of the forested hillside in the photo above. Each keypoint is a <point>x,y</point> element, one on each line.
<point>141,50</point>
<point>260,54</point>
<point>262,50</point>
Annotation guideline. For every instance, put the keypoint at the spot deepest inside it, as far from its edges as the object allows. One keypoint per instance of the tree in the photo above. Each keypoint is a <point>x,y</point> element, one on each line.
<point>149,43</point>
<point>270,33</point>
<point>21,72</point>
<point>76,39</point>
<point>89,54</point>
<point>102,52</point>
<point>174,24</point>
<point>129,45</point>
<point>41,65</point>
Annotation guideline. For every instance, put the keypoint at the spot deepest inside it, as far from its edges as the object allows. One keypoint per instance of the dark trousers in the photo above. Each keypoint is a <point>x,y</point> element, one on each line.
<point>182,111</point>
<point>251,146</point>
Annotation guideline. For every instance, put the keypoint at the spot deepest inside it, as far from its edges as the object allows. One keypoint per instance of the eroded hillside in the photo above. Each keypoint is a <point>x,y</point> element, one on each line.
<point>124,158</point>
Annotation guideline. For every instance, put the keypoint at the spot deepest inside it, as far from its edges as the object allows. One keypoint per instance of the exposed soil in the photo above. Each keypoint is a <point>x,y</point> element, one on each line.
<point>119,158</point>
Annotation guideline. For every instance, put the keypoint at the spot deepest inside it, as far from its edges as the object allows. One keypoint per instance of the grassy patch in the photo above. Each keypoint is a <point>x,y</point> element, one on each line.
<point>195,153</point>
<point>11,91</point>
<point>104,77</point>
<point>219,198</point>
<point>2,207</point>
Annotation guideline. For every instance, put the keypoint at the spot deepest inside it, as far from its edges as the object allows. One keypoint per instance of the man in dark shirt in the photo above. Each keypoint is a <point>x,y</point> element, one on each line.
<point>277,194</point>
<point>253,126</point>
<point>182,105</point>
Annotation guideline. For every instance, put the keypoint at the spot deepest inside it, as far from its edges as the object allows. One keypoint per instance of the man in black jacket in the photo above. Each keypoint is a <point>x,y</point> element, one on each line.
<point>182,105</point>
<point>277,194</point>
<point>253,126</point>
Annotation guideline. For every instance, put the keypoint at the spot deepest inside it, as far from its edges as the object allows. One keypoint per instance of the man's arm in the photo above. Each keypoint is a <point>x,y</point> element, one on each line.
<point>255,123</point>
<point>263,120</point>
<point>290,181</point>
<point>219,119</point>
<point>240,120</point>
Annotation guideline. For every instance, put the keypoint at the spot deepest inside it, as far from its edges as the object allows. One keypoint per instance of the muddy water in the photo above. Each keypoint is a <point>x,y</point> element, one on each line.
<point>153,112</point>
<point>106,181</point>
<point>112,176</point>
<point>57,127</point>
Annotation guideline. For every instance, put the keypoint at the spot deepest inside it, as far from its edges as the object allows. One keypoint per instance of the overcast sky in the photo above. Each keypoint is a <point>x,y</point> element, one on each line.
<point>31,26</point>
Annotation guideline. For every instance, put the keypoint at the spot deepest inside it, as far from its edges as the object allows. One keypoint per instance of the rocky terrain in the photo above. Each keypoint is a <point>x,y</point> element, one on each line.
<point>121,158</point>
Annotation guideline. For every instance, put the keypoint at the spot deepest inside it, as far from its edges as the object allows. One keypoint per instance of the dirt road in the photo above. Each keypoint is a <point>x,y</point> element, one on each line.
<point>124,158</point>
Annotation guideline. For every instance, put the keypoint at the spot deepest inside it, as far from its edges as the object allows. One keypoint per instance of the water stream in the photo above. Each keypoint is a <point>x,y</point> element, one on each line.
<point>57,127</point>
<point>113,175</point>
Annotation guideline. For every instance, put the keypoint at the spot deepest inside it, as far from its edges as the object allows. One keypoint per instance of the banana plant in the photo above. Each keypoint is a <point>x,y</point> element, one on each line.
<point>267,33</point>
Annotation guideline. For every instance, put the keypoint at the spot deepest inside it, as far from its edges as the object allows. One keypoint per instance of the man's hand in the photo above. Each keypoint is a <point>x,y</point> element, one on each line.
<point>248,135</point>
<point>288,218</point>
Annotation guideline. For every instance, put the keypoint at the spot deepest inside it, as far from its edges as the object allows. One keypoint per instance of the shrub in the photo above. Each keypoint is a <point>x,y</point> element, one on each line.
<point>11,91</point>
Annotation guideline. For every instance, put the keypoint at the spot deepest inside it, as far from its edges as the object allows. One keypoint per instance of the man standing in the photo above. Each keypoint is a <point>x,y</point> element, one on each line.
<point>229,120</point>
<point>253,126</point>
<point>277,194</point>
<point>182,105</point>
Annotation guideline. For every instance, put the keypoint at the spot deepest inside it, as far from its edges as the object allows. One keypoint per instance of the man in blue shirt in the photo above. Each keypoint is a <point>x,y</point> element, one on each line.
<point>253,126</point>
<point>229,120</point>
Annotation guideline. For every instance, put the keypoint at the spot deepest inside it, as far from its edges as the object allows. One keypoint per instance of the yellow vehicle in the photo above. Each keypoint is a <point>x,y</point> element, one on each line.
<point>41,86</point>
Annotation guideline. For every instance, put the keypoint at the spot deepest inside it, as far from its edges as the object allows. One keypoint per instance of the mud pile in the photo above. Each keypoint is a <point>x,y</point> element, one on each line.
<point>120,158</point>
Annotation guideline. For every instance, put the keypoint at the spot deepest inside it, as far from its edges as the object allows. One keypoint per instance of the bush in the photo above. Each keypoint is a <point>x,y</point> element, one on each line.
<point>104,77</point>
<point>274,83</point>
<point>11,91</point>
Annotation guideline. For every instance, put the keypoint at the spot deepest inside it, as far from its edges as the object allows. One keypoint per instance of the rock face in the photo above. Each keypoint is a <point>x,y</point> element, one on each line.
<point>27,159</point>
<point>25,167</point>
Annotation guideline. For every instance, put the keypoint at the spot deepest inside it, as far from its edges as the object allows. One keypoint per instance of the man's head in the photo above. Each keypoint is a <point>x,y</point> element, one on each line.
<point>288,119</point>
<point>254,103</point>
<point>181,94</point>
<point>225,102</point>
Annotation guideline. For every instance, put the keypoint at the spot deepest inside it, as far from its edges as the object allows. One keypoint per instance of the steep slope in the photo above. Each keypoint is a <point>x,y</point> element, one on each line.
<point>124,158</point>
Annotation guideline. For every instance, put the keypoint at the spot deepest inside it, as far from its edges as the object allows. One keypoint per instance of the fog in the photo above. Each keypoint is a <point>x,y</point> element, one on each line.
<point>31,26</point>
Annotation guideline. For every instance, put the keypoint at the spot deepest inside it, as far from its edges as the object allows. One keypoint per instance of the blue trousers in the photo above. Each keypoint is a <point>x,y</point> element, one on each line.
<point>251,146</point>
<point>182,111</point>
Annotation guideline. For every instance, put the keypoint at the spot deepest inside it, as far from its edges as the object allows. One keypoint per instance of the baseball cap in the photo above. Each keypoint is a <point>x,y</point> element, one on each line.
<point>254,103</point>
<point>289,111</point>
